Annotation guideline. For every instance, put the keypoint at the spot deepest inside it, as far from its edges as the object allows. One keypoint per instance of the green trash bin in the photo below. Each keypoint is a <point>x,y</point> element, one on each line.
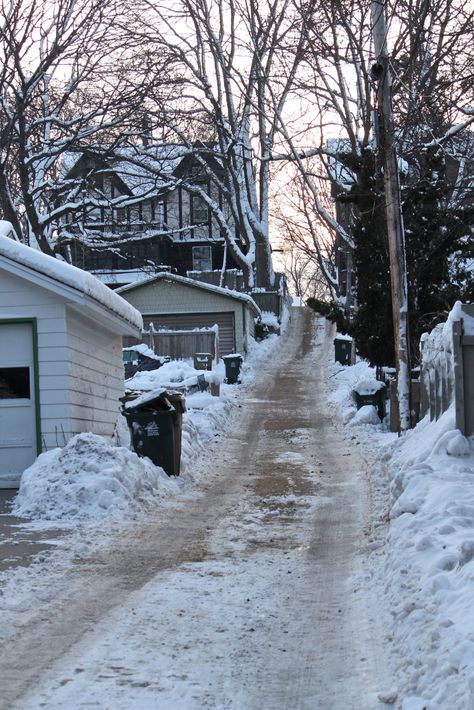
<point>155,429</point>
<point>232,368</point>
<point>342,350</point>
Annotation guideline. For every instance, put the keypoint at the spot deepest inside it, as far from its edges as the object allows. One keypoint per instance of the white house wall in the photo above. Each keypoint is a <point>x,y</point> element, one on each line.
<point>80,371</point>
<point>96,376</point>
<point>167,297</point>
<point>16,301</point>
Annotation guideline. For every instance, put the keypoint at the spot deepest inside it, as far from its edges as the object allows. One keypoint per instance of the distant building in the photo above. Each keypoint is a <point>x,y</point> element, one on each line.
<point>134,218</point>
<point>169,301</point>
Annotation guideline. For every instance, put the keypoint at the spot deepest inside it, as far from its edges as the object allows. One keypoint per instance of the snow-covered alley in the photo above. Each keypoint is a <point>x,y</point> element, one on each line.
<point>252,594</point>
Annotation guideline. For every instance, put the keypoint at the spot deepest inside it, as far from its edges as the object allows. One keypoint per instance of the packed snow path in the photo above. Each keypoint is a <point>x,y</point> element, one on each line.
<point>253,595</point>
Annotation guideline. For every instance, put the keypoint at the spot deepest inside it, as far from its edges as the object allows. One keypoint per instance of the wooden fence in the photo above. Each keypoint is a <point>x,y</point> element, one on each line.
<point>183,344</point>
<point>447,369</point>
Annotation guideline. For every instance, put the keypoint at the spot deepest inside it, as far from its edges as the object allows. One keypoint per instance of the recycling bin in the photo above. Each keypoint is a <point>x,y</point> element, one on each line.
<point>203,361</point>
<point>232,368</point>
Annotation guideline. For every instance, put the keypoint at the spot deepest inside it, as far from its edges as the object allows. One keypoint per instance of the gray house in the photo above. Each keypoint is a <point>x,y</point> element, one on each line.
<point>176,302</point>
<point>61,370</point>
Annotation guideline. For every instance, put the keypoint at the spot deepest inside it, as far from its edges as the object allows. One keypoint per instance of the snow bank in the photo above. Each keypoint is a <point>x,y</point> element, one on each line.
<point>270,318</point>
<point>430,560</point>
<point>424,557</point>
<point>366,415</point>
<point>89,479</point>
<point>343,380</point>
<point>177,373</point>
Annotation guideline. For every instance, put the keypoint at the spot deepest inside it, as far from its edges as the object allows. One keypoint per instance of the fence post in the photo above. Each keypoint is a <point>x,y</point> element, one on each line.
<point>458,376</point>
<point>467,345</point>
<point>432,386</point>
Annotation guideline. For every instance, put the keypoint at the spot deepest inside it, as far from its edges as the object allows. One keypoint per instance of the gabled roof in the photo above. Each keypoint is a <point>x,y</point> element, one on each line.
<point>141,169</point>
<point>77,286</point>
<point>199,285</point>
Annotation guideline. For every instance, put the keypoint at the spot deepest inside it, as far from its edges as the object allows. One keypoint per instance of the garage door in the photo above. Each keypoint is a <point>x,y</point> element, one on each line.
<point>17,402</point>
<point>184,321</point>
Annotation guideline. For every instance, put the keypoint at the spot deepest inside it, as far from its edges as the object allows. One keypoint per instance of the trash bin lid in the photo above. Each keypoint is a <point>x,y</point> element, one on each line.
<point>154,399</point>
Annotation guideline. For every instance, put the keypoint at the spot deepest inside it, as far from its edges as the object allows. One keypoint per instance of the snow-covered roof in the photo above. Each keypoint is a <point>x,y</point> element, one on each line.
<point>174,278</point>
<point>59,271</point>
<point>6,229</point>
<point>141,169</point>
<point>339,172</point>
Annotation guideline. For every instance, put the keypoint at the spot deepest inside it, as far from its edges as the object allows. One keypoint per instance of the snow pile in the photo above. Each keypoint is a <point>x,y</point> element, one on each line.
<point>343,380</point>
<point>367,414</point>
<point>174,374</point>
<point>143,349</point>
<point>366,386</point>
<point>89,479</point>
<point>430,562</point>
<point>270,318</point>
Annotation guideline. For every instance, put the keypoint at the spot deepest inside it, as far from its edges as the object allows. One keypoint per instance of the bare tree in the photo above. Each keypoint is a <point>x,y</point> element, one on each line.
<point>238,62</point>
<point>431,58</point>
<point>58,93</point>
<point>310,246</point>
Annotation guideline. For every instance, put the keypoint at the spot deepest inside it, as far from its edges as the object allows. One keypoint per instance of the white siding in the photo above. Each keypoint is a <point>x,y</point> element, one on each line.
<point>80,363</point>
<point>96,376</point>
<point>20,299</point>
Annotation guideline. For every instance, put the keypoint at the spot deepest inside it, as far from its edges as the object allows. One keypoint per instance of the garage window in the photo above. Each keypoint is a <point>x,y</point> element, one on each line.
<point>14,383</point>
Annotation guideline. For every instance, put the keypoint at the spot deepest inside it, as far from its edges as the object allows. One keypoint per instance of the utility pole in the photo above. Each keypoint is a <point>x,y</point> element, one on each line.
<point>381,74</point>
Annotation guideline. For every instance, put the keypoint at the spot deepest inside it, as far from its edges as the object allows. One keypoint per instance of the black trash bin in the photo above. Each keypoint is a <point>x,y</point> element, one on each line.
<point>342,350</point>
<point>232,368</point>
<point>376,398</point>
<point>155,426</point>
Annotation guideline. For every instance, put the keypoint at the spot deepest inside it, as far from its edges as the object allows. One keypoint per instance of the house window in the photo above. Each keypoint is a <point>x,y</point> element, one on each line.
<point>121,215</point>
<point>202,259</point>
<point>199,210</point>
<point>94,215</point>
<point>160,213</point>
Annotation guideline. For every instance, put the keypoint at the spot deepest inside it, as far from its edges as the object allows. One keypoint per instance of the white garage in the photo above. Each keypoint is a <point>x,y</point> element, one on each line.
<point>61,369</point>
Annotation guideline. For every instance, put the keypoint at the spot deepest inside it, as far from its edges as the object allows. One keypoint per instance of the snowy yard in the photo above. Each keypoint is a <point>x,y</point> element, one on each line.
<point>188,633</point>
